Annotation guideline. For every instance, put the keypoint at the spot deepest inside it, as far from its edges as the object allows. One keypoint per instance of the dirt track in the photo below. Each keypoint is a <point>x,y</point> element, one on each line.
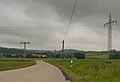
<point>41,72</point>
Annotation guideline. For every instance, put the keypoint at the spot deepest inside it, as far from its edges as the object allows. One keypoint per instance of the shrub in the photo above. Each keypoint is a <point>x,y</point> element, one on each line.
<point>114,56</point>
<point>79,55</point>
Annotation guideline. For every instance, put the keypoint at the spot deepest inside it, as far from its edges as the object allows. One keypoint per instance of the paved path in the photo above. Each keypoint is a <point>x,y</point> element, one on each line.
<point>41,72</point>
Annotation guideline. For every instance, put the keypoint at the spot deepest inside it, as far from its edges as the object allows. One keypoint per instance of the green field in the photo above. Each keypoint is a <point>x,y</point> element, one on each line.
<point>8,64</point>
<point>89,70</point>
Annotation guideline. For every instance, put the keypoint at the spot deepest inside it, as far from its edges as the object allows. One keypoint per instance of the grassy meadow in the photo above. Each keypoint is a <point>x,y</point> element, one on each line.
<point>89,70</point>
<point>8,64</point>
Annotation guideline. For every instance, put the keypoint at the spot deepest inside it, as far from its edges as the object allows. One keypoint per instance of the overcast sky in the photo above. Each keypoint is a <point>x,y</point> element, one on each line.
<point>44,23</point>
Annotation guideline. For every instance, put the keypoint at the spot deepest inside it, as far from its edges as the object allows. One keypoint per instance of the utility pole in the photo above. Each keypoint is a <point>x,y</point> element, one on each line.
<point>55,53</point>
<point>109,25</point>
<point>24,44</point>
<point>62,49</point>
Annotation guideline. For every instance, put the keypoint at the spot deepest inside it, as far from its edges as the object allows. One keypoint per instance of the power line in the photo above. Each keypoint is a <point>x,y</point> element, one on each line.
<point>30,28</point>
<point>70,19</point>
<point>68,27</point>
<point>46,29</point>
<point>51,26</point>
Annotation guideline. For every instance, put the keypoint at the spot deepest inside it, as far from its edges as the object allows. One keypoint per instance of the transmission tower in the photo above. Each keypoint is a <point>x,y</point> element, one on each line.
<point>24,43</point>
<point>109,25</point>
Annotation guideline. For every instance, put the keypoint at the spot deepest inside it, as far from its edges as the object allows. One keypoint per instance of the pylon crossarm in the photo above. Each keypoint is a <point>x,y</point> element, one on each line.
<point>106,24</point>
<point>113,22</point>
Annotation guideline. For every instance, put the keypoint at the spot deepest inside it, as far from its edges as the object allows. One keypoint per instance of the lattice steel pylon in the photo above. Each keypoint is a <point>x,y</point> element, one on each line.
<point>109,25</point>
<point>24,43</point>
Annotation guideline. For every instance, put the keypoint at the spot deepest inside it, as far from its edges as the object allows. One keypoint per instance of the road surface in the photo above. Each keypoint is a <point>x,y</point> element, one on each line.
<point>41,72</point>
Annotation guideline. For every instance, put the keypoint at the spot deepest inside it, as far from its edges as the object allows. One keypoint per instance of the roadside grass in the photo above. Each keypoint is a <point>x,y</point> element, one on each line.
<point>13,63</point>
<point>89,70</point>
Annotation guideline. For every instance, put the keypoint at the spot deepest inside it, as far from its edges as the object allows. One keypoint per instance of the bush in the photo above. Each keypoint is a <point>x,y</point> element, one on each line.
<point>114,56</point>
<point>79,55</point>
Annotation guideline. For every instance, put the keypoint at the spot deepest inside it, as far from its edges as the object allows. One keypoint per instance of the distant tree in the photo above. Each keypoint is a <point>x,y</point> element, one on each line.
<point>57,56</point>
<point>114,54</point>
<point>79,55</point>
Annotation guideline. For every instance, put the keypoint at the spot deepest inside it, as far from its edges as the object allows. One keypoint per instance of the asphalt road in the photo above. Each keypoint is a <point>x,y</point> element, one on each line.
<point>41,72</point>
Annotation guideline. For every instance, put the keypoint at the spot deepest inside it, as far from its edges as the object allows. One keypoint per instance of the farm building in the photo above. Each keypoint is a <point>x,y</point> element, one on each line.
<point>39,55</point>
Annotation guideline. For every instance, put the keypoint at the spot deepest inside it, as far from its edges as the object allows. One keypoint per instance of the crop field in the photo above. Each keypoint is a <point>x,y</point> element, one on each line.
<point>8,64</point>
<point>90,70</point>
<point>96,55</point>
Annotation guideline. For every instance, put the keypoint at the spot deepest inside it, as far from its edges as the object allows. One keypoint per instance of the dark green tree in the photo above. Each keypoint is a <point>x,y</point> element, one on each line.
<point>79,55</point>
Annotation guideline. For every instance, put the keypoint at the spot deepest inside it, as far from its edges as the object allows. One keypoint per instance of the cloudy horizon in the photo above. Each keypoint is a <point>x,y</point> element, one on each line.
<point>43,23</point>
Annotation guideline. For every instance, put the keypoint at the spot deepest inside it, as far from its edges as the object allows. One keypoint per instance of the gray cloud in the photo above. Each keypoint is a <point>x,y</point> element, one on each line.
<point>44,22</point>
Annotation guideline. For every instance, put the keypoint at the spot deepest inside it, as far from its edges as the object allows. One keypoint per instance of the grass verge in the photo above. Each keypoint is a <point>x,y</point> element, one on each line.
<point>9,64</point>
<point>89,70</point>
